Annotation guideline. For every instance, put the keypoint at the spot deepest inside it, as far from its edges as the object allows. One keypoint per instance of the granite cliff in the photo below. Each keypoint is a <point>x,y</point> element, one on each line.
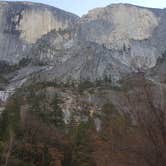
<point>23,23</point>
<point>86,91</point>
<point>133,30</point>
<point>43,43</point>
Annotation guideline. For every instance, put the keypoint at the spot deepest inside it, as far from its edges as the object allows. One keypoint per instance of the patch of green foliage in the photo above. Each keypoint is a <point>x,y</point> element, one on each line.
<point>48,110</point>
<point>9,123</point>
<point>119,123</point>
<point>80,143</point>
<point>10,119</point>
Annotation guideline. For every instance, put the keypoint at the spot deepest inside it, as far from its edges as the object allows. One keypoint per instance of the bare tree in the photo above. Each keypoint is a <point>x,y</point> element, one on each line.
<point>147,106</point>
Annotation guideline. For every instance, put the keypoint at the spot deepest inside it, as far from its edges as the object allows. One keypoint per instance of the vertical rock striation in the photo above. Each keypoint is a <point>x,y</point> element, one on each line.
<point>23,23</point>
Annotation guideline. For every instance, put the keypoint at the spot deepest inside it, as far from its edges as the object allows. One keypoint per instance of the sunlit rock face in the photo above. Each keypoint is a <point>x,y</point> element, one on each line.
<point>42,21</point>
<point>5,94</point>
<point>126,28</point>
<point>106,44</point>
<point>23,23</point>
<point>118,24</point>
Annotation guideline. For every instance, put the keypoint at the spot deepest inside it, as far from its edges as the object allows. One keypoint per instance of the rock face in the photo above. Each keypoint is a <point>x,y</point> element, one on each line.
<point>119,25</point>
<point>23,23</point>
<point>129,28</point>
<point>86,61</point>
<point>69,59</point>
<point>158,73</point>
<point>43,43</point>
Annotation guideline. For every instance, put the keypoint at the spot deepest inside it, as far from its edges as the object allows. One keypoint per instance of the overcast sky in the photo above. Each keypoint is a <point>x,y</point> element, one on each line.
<point>81,7</point>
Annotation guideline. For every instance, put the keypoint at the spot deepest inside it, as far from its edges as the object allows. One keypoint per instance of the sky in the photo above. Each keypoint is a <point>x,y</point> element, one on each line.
<point>81,7</point>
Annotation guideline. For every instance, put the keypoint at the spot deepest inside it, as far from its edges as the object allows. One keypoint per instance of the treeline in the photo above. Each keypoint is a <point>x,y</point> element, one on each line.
<point>33,132</point>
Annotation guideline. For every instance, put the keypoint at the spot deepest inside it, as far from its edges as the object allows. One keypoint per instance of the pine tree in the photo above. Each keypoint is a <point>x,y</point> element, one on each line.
<point>57,118</point>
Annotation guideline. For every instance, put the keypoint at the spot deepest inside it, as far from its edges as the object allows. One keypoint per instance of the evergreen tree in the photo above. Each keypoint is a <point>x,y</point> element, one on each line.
<point>57,118</point>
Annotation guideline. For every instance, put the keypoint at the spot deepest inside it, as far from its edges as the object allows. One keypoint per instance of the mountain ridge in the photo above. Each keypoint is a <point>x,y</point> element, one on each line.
<point>105,43</point>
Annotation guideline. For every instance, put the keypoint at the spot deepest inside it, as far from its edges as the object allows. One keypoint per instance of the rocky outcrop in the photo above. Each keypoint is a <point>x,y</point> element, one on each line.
<point>23,23</point>
<point>71,60</point>
<point>120,24</point>
<point>127,28</point>
<point>106,44</point>
<point>158,73</point>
